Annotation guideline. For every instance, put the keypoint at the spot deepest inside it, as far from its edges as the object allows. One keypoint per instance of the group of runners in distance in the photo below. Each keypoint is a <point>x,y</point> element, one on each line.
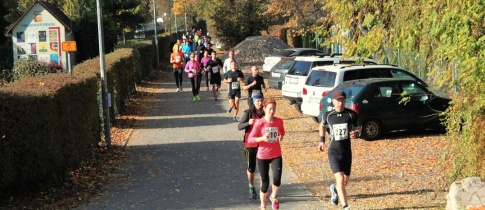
<point>263,131</point>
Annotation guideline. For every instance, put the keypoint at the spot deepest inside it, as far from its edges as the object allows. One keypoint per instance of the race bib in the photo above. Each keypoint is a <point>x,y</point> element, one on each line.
<point>235,85</point>
<point>215,69</point>
<point>255,92</point>
<point>273,134</point>
<point>178,59</point>
<point>340,131</point>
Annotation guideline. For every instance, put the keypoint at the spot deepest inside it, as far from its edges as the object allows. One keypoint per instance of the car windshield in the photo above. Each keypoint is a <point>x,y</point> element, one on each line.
<point>321,79</point>
<point>350,89</point>
<point>300,68</point>
<point>285,64</point>
<point>286,53</point>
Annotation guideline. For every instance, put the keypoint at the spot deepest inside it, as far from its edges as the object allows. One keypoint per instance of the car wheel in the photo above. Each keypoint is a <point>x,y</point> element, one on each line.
<point>315,119</point>
<point>371,129</point>
<point>297,107</point>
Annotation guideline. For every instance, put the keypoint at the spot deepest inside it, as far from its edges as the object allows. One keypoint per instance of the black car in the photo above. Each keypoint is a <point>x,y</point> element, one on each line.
<point>387,104</point>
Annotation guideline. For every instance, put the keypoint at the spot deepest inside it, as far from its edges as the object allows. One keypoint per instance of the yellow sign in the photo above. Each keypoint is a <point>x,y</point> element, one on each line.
<point>69,46</point>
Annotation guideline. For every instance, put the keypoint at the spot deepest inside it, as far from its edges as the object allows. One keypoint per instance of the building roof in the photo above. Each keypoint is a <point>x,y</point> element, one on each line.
<point>56,12</point>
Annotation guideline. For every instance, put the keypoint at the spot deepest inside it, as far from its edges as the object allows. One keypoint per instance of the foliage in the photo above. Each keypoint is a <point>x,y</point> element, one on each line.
<point>239,21</point>
<point>450,38</point>
<point>29,68</point>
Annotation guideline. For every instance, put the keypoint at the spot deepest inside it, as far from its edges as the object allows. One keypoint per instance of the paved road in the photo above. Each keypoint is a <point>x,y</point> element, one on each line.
<point>189,155</point>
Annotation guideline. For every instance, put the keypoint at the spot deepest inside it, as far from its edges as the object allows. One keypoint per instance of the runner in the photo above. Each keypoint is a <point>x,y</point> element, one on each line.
<point>234,78</point>
<point>177,59</point>
<point>254,84</point>
<point>227,65</point>
<point>199,77</point>
<point>214,66</point>
<point>268,132</point>
<point>193,69</point>
<point>341,124</point>
<point>177,45</point>
<point>186,49</point>
<point>200,49</point>
<point>251,149</point>
<point>203,63</point>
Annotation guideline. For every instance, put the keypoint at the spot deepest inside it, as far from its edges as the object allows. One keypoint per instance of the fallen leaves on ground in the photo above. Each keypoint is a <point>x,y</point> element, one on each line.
<point>399,171</point>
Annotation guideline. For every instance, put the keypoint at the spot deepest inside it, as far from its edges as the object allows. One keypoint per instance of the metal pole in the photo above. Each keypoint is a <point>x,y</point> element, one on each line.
<point>170,20</point>
<point>155,29</point>
<point>176,29</point>
<point>69,63</point>
<point>104,86</point>
<point>185,14</point>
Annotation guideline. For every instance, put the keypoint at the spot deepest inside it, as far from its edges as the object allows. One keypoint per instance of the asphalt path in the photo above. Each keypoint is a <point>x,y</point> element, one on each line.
<point>189,155</point>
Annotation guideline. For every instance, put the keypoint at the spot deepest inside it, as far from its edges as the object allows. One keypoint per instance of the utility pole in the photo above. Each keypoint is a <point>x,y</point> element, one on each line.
<point>170,20</point>
<point>104,85</point>
<point>155,29</point>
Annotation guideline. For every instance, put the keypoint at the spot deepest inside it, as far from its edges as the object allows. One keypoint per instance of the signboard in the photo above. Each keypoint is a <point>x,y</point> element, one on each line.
<point>69,46</point>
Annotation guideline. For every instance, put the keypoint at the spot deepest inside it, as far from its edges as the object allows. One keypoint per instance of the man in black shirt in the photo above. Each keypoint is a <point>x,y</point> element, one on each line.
<point>341,124</point>
<point>234,78</point>
<point>214,66</point>
<point>254,84</point>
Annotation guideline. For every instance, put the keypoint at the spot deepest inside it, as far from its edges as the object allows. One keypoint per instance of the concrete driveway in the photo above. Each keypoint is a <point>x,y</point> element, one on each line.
<point>189,155</point>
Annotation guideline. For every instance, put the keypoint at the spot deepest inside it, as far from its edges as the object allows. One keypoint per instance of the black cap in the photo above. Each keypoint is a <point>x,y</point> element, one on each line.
<point>339,94</point>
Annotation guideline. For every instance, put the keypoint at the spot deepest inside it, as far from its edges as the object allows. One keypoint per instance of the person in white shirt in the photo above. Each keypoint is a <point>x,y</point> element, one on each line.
<point>227,64</point>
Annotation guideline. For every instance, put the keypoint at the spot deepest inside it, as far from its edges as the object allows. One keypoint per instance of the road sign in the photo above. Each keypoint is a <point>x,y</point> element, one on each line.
<point>69,46</point>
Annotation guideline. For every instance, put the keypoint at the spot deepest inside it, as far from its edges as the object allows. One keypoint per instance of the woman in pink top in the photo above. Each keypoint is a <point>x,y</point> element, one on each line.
<point>268,132</point>
<point>203,63</point>
<point>192,68</point>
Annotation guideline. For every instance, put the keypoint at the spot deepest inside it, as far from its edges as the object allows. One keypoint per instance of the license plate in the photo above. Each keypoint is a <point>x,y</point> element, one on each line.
<point>273,74</point>
<point>293,81</point>
<point>314,100</point>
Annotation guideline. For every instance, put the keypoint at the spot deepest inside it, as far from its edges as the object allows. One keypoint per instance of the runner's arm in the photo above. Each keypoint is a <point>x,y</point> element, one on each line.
<point>244,123</point>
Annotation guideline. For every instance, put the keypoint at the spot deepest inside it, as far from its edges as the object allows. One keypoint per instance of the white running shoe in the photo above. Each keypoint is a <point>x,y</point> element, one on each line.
<point>181,89</point>
<point>178,90</point>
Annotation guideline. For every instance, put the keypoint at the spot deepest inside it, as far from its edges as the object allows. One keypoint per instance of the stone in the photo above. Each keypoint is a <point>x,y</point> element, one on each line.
<point>466,194</point>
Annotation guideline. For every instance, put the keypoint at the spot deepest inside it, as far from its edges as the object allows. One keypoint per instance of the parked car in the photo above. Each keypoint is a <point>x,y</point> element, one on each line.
<point>387,104</point>
<point>296,75</point>
<point>277,74</point>
<point>270,61</point>
<point>322,79</point>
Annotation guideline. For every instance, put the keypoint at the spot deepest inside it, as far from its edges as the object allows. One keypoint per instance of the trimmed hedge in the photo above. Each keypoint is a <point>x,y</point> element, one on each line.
<point>51,124</point>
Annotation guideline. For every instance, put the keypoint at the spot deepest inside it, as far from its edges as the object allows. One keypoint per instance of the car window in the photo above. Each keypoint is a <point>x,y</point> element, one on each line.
<point>351,90</point>
<point>366,73</point>
<point>322,63</point>
<point>385,92</point>
<point>286,64</point>
<point>321,79</point>
<point>300,68</point>
<point>398,73</point>
<point>412,89</point>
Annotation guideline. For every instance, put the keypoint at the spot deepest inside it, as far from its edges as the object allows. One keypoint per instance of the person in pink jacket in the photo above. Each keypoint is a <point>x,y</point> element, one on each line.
<point>193,69</point>
<point>268,132</point>
<point>203,62</point>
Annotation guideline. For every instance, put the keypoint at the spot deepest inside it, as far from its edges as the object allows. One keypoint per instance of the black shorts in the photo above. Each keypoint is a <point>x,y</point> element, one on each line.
<point>215,79</point>
<point>340,161</point>
<point>234,94</point>
<point>251,158</point>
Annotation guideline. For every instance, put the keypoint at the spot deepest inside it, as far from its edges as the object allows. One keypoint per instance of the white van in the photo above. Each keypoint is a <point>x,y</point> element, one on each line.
<point>297,74</point>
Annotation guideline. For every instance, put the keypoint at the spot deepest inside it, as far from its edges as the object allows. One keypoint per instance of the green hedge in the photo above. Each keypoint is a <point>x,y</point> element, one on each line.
<point>51,124</point>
